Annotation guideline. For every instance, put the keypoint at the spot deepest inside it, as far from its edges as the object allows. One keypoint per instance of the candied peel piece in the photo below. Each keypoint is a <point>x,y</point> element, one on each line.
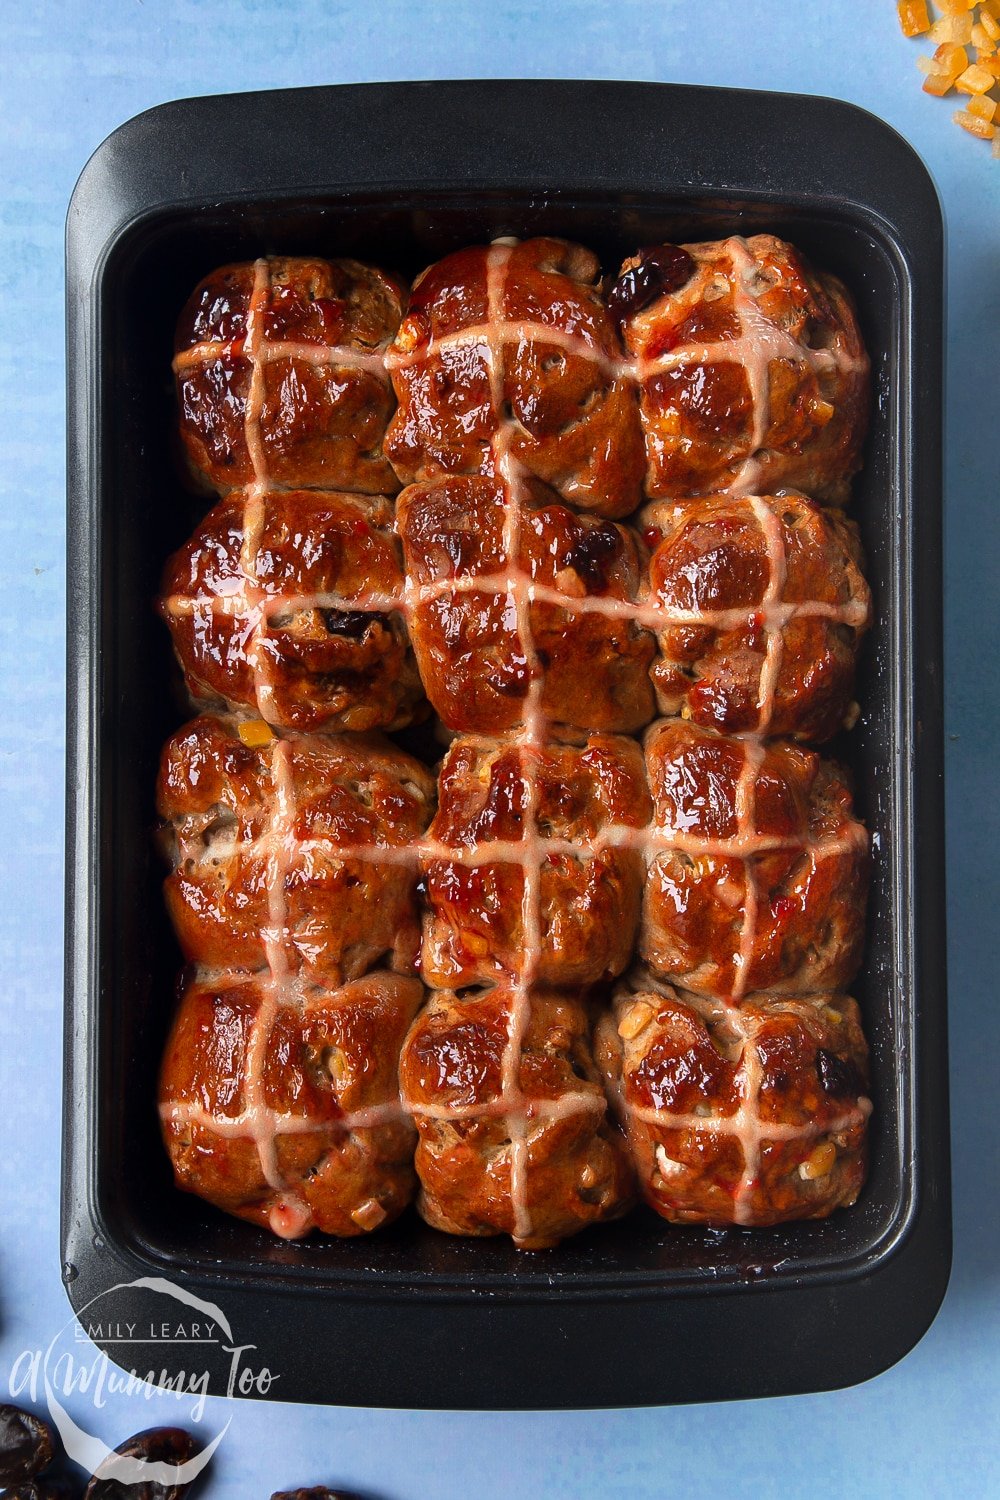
<point>951,59</point>
<point>952,29</point>
<point>975,80</point>
<point>981,128</point>
<point>913,17</point>
<point>254,733</point>
<point>947,64</point>
<point>959,26</point>
<point>819,1162</point>
<point>939,83</point>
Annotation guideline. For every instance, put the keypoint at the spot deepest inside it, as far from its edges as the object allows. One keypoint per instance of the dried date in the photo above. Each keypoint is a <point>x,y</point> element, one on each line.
<point>26,1445</point>
<point>46,1487</point>
<point>163,1445</point>
<point>316,1492</point>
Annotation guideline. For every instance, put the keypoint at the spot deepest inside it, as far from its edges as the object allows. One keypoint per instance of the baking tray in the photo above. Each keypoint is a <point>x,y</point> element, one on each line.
<point>638,1312</point>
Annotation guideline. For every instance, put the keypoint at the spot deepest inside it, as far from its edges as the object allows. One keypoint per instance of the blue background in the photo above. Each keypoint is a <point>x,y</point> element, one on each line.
<point>69,73</point>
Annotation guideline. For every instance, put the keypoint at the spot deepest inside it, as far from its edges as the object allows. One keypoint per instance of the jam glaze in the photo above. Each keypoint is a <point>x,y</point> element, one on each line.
<point>745,849</point>
<point>577,1170</point>
<point>725,1104</point>
<point>269,618</point>
<point>752,375</point>
<point>262,846</point>
<point>528,357</point>
<point>283,360</point>
<point>280,1103</point>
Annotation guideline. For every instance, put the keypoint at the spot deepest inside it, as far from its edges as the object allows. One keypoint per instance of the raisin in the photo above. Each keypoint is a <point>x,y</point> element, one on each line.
<point>591,555</point>
<point>164,1445</point>
<point>26,1445</point>
<point>838,1076</point>
<point>349,622</point>
<point>658,271</point>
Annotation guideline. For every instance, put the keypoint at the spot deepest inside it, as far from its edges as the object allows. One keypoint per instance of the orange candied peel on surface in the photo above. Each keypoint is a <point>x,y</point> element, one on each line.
<point>954,26</point>
<point>254,733</point>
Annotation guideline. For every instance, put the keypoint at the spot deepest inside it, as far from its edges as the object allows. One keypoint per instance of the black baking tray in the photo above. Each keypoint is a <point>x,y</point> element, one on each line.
<point>638,1312</point>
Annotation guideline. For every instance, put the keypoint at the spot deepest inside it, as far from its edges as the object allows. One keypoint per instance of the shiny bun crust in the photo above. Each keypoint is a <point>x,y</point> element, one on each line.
<point>584,933</point>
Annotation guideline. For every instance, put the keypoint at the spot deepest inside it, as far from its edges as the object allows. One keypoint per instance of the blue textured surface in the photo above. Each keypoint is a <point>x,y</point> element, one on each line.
<point>71,72</point>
